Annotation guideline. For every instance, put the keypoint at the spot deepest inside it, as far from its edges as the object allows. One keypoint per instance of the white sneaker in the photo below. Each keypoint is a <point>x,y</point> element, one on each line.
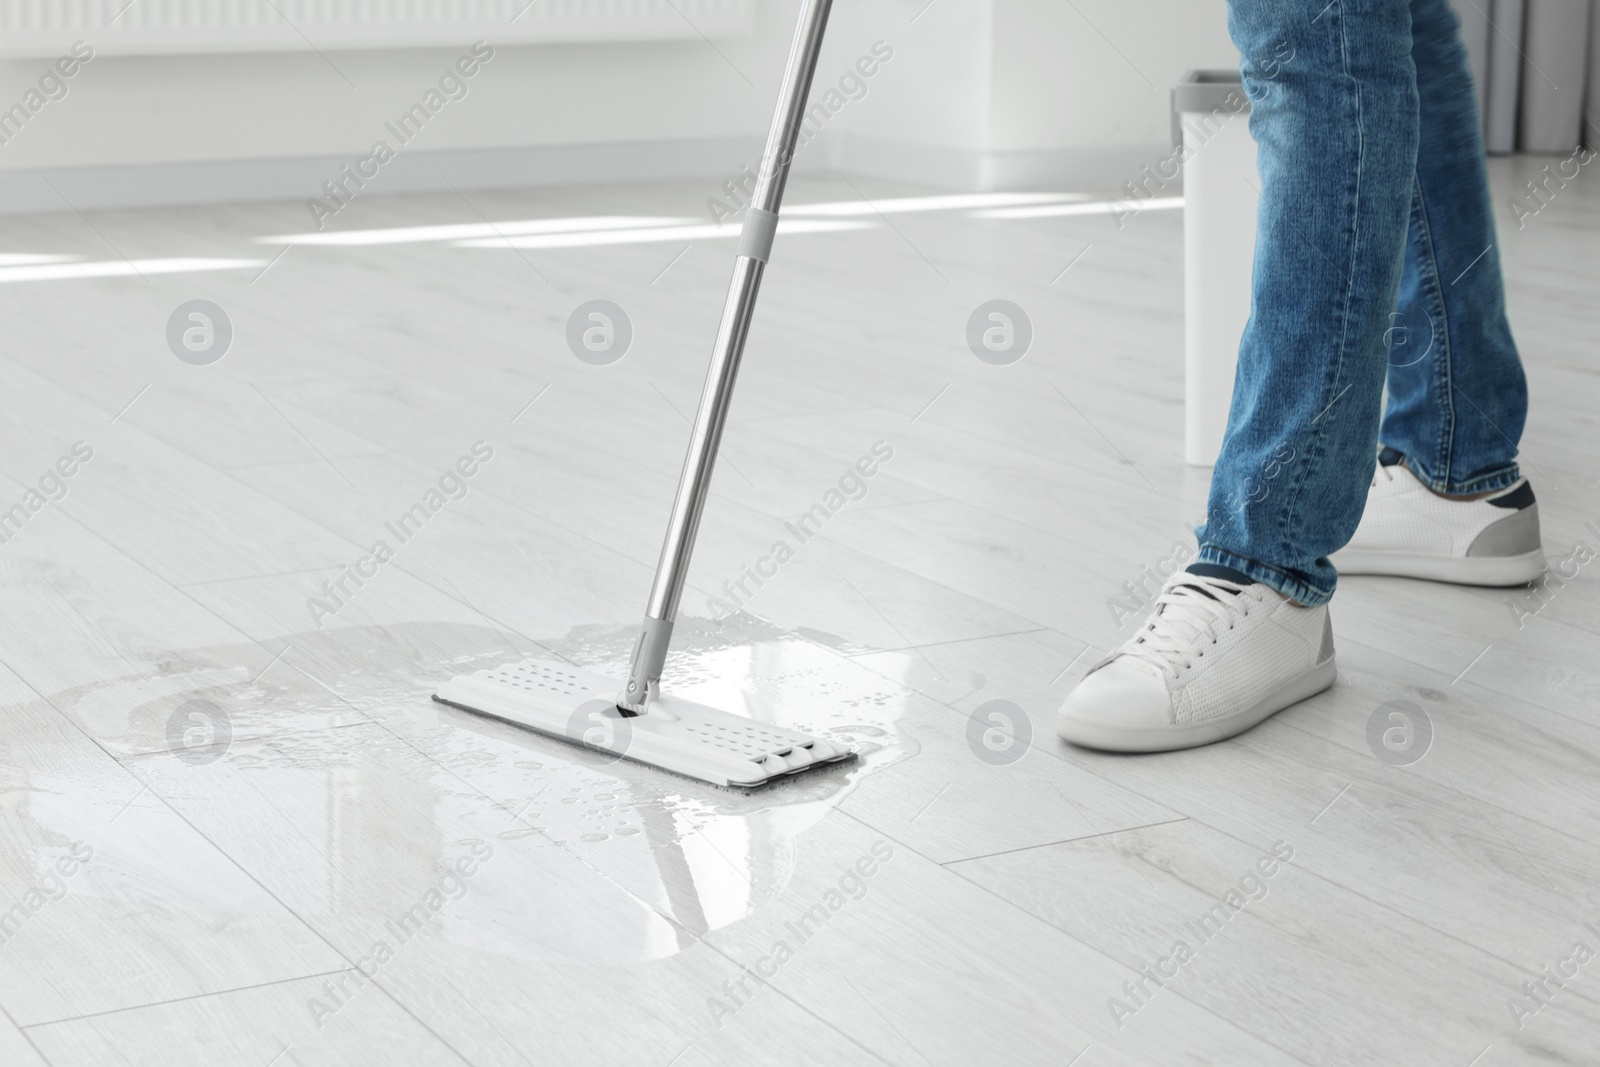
<point>1411,531</point>
<point>1214,659</point>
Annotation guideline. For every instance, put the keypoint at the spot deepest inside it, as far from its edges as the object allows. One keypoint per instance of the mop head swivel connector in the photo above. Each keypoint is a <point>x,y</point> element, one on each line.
<point>674,734</point>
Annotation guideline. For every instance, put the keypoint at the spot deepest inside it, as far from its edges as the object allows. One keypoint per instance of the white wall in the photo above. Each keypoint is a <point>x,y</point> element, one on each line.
<point>172,129</point>
<point>936,89</point>
<point>1097,72</point>
<point>1010,94</point>
<point>979,94</point>
<point>253,106</point>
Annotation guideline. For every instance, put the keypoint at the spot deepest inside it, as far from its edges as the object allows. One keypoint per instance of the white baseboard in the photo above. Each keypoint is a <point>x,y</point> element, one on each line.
<point>171,184</point>
<point>1088,169</point>
<point>234,181</point>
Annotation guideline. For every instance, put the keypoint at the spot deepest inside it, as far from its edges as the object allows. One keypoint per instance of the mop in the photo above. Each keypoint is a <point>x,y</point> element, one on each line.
<point>636,719</point>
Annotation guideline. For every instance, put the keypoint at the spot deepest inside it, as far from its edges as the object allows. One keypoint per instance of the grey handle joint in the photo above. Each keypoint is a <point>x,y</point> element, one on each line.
<point>649,656</point>
<point>760,227</point>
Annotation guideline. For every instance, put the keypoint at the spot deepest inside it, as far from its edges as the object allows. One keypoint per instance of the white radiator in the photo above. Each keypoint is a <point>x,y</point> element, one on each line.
<point>156,27</point>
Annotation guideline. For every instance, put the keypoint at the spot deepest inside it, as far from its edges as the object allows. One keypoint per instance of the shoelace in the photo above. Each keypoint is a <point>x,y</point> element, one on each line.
<point>1189,615</point>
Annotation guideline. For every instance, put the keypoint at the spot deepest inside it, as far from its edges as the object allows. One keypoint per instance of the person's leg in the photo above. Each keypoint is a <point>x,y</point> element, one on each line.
<point>1457,396</point>
<point>1448,502</point>
<point>1336,128</point>
<point>1245,632</point>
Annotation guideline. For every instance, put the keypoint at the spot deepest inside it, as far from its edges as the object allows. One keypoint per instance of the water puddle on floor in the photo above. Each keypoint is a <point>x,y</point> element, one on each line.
<point>333,779</point>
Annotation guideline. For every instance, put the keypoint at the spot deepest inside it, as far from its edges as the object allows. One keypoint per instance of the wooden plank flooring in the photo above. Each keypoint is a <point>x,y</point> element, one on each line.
<point>265,795</point>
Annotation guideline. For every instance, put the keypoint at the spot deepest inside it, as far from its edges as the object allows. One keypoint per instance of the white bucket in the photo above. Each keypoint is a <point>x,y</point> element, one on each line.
<point>1220,192</point>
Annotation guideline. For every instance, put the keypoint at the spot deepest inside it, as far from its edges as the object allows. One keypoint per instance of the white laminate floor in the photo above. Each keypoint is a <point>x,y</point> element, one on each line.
<point>235,831</point>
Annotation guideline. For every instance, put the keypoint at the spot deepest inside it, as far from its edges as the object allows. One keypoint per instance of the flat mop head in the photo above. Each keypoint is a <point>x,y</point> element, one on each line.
<point>681,736</point>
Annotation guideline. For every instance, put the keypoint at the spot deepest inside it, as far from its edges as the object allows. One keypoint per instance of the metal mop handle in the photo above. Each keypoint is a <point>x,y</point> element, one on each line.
<point>761,222</point>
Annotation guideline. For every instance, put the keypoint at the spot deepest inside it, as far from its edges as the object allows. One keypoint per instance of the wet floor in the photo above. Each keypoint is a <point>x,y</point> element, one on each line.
<point>303,758</point>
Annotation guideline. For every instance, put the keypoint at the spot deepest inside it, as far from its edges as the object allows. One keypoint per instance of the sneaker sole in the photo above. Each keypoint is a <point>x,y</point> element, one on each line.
<point>1194,734</point>
<point>1460,570</point>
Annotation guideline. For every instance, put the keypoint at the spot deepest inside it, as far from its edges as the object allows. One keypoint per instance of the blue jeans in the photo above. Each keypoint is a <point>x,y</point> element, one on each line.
<point>1375,260</point>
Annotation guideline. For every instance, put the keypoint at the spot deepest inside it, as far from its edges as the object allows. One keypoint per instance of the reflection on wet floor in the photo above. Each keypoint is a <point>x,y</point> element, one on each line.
<point>349,794</point>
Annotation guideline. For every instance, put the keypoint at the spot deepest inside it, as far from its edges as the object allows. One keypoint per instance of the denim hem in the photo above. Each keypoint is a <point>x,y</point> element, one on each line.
<point>1484,483</point>
<point>1283,581</point>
